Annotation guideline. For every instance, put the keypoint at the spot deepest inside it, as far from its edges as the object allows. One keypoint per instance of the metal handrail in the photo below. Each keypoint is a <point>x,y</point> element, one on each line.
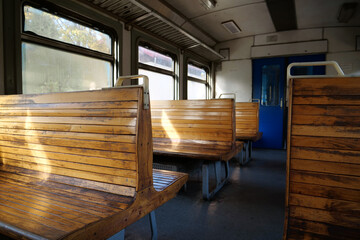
<point>145,85</point>
<point>223,94</point>
<point>324,63</point>
<point>338,69</point>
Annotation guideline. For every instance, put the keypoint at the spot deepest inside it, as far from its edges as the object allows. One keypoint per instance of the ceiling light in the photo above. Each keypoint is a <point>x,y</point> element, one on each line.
<point>208,4</point>
<point>347,11</point>
<point>231,27</point>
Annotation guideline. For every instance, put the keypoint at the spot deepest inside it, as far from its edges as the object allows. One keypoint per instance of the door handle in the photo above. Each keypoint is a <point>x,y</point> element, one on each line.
<point>281,102</point>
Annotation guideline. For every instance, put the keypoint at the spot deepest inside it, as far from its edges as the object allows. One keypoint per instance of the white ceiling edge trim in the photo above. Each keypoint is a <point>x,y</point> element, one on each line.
<point>320,46</point>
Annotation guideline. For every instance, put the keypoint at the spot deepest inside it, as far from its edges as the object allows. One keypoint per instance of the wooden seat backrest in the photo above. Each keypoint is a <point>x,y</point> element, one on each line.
<point>247,119</point>
<point>323,168</point>
<point>93,139</point>
<point>201,121</point>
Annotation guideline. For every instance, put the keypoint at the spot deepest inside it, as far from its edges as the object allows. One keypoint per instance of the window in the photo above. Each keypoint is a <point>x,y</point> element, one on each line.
<point>270,77</point>
<point>197,82</point>
<point>60,55</point>
<point>160,70</point>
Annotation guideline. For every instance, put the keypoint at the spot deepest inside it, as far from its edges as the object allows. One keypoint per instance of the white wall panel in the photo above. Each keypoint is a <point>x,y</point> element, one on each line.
<point>289,36</point>
<point>289,49</point>
<point>348,61</point>
<point>235,77</point>
<point>239,48</point>
<point>342,39</point>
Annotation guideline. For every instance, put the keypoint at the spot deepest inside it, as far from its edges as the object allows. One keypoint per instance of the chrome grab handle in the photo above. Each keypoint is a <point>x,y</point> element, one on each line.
<point>223,94</point>
<point>324,63</point>
<point>145,85</point>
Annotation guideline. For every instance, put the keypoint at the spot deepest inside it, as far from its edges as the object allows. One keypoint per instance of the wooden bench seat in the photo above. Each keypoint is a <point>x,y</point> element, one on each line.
<point>78,165</point>
<point>247,126</point>
<point>197,129</point>
<point>323,163</point>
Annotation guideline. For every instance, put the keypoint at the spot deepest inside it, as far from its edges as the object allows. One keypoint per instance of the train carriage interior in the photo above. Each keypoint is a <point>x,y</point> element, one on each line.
<point>107,108</point>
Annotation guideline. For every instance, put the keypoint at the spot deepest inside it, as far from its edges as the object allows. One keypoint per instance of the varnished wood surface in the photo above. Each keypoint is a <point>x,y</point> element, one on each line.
<point>69,161</point>
<point>199,129</point>
<point>247,121</point>
<point>323,179</point>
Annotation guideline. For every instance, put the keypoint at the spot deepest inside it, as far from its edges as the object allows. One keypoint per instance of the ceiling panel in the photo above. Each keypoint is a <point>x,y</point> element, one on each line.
<point>322,13</point>
<point>252,19</point>
<point>192,8</point>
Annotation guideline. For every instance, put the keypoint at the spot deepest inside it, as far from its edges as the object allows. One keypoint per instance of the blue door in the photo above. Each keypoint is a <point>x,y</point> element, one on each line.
<point>318,70</point>
<point>269,87</point>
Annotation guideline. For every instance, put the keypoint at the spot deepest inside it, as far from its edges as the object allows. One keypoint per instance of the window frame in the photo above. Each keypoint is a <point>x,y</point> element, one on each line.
<point>33,38</point>
<point>194,79</point>
<point>162,51</point>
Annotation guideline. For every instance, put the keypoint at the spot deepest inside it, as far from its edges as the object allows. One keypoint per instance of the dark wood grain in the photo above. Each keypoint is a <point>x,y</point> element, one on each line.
<point>323,166</point>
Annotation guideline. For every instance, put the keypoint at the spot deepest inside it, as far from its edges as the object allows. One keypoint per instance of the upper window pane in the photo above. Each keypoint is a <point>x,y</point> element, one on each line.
<point>60,29</point>
<point>161,86</point>
<point>155,59</point>
<point>47,70</point>
<point>196,72</point>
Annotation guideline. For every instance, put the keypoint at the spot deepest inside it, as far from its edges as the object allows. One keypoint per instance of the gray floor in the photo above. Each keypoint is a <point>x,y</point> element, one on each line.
<point>251,206</point>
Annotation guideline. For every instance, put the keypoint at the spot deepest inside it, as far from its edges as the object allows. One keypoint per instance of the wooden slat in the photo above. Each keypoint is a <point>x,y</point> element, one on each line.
<point>332,180</point>
<point>314,120</point>
<point>48,163</point>
<point>340,219</point>
<point>330,110</point>
<point>93,202</point>
<point>326,167</point>
<point>73,120</point>
<point>64,142</point>
<point>331,192</point>
<point>130,113</point>
<point>328,230</point>
<point>48,169</point>
<point>76,128</point>
<point>325,204</point>
<point>340,156</point>
<point>70,135</point>
<point>326,131</point>
<point>130,94</point>
<point>327,86</point>
<point>331,143</point>
<point>113,104</point>
<point>327,100</point>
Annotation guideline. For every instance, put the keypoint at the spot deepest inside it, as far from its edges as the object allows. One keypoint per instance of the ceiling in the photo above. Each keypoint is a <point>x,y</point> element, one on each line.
<point>253,16</point>
<point>190,26</point>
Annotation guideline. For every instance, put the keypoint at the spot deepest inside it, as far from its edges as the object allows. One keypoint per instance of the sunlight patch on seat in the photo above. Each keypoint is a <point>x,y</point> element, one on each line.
<point>169,128</point>
<point>40,157</point>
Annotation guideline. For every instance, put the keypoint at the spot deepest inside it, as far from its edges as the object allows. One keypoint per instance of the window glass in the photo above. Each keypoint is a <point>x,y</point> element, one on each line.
<point>155,59</point>
<point>161,86</point>
<point>196,72</point>
<point>51,26</point>
<point>270,85</point>
<point>196,90</point>
<point>48,70</point>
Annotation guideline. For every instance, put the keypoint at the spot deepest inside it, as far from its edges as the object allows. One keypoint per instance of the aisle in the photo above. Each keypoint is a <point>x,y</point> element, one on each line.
<point>250,207</point>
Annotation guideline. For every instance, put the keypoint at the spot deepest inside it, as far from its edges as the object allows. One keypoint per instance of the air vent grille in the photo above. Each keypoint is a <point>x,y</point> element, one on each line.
<point>231,27</point>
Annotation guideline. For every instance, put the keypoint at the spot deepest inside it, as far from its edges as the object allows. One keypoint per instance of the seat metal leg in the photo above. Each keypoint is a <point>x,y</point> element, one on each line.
<point>118,236</point>
<point>207,195</point>
<point>205,181</point>
<point>250,149</point>
<point>154,234</point>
